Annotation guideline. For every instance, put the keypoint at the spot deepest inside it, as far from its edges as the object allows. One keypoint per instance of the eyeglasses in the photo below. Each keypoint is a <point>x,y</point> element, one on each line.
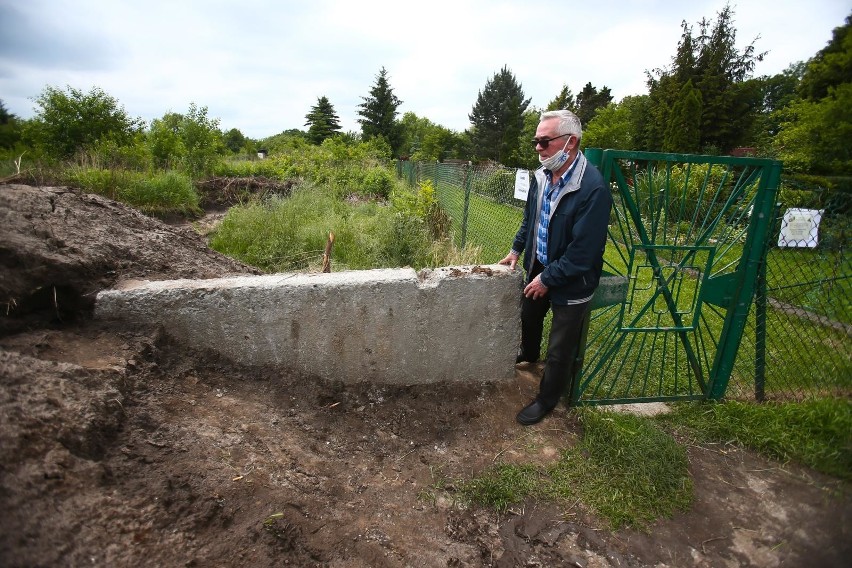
<point>545,142</point>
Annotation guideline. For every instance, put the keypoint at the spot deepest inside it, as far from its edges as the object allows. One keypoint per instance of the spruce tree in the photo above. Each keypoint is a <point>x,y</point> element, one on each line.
<point>564,100</point>
<point>730,102</point>
<point>498,118</point>
<point>378,113</point>
<point>590,100</point>
<point>322,121</point>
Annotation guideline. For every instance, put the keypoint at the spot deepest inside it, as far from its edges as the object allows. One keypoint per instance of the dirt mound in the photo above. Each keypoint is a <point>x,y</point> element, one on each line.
<point>59,247</point>
<point>120,448</point>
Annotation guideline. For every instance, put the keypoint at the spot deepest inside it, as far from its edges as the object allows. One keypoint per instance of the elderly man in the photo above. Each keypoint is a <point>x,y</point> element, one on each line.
<point>562,238</point>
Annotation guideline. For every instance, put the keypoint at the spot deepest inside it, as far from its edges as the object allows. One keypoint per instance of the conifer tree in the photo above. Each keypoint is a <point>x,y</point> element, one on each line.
<point>322,121</point>
<point>590,100</point>
<point>378,113</point>
<point>564,100</point>
<point>730,102</point>
<point>498,118</point>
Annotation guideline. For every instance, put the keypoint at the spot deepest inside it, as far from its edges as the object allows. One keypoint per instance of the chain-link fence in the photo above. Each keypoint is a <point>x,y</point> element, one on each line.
<point>798,338</point>
<point>478,199</point>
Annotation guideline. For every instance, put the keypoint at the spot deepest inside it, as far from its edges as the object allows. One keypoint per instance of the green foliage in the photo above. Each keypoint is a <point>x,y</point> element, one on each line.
<point>497,184</point>
<point>502,486</point>
<point>683,131</point>
<point>816,136</point>
<point>719,71</point>
<point>378,113</point>
<point>696,192</point>
<point>322,121</point>
<point>290,234</point>
<point>831,67</point>
<point>589,100</point>
<point>563,101</point>
<point>625,469</point>
<point>71,121</point>
<point>497,118</point>
<point>163,193</point>
<point>237,143</point>
<point>612,127</point>
<point>816,433</point>
<point>190,142</point>
<point>526,156</point>
<point>10,128</point>
<point>376,182</point>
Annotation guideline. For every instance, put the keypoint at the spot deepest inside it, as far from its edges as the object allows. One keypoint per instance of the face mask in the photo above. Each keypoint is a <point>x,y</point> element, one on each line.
<point>557,160</point>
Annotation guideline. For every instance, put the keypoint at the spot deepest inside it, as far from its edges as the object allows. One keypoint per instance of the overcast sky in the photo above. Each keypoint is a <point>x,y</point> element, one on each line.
<point>260,65</point>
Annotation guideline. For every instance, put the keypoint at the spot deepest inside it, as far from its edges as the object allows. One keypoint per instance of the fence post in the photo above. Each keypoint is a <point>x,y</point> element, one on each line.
<point>760,302</point>
<point>468,174</point>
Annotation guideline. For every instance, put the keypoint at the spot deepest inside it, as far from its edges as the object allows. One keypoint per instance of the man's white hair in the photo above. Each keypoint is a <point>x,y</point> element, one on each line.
<point>569,123</point>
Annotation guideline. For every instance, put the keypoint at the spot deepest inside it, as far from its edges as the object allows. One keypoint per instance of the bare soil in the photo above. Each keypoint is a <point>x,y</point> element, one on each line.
<point>118,447</point>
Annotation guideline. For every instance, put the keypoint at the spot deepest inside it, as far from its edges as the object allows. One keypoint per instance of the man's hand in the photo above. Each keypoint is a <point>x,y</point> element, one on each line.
<point>535,289</point>
<point>511,259</point>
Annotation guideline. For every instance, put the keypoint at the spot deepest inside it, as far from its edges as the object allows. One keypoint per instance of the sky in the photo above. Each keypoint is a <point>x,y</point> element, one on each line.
<point>260,65</point>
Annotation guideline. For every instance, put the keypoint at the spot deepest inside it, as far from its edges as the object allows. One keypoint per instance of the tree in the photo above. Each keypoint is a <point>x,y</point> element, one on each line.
<point>563,101</point>
<point>683,130</point>
<point>498,118</point>
<point>617,125</point>
<point>590,100</point>
<point>191,142</point>
<point>322,121</point>
<point>815,130</point>
<point>235,141</point>
<point>69,122</point>
<point>378,113</point>
<point>720,72</point>
<point>816,136</point>
<point>10,128</point>
<point>831,66</point>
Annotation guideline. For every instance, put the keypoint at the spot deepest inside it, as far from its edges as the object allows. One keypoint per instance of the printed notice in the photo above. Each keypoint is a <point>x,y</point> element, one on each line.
<point>522,184</point>
<point>800,228</point>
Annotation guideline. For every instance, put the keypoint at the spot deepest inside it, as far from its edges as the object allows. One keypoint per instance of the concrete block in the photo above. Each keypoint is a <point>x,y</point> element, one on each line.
<point>386,326</point>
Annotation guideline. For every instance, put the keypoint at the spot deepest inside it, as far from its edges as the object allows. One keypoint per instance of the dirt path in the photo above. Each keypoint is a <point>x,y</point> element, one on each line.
<point>118,448</point>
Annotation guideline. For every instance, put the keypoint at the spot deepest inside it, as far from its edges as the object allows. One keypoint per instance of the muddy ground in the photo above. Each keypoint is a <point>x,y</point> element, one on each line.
<point>120,448</point>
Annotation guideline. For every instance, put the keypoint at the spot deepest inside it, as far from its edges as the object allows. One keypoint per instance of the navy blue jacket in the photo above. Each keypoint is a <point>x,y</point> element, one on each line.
<point>577,233</point>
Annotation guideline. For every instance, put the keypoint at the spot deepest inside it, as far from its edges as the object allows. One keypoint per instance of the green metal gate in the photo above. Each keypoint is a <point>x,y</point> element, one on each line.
<point>687,236</point>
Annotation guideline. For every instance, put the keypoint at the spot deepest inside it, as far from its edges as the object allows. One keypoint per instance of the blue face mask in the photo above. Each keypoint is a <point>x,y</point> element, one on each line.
<point>557,160</point>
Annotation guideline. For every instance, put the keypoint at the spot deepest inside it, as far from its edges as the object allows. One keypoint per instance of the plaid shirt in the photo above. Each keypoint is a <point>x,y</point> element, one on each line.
<point>551,195</point>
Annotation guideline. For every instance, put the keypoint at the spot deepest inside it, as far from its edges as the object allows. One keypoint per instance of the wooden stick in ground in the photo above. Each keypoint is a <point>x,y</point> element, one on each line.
<point>326,256</point>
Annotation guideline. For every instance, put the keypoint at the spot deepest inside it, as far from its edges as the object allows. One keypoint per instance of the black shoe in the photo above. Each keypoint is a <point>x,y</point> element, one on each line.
<point>532,413</point>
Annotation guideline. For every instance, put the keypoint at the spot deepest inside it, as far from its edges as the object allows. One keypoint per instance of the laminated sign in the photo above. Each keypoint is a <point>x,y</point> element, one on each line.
<point>800,228</point>
<point>522,184</point>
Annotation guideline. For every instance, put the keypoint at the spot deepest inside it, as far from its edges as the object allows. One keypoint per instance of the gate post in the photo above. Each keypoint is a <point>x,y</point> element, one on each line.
<point>756,242</point>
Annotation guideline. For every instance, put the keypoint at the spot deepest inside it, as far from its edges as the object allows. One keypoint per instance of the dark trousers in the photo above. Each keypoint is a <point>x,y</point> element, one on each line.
<point>565,331</point>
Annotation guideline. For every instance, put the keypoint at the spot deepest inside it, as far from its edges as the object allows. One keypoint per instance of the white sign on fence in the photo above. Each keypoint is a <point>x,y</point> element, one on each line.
<point>800,228</point>
<point>522,184</point>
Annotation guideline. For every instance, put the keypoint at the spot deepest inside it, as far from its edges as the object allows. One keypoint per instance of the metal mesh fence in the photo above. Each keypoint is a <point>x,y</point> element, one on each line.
<point>478,200</point>
<point>798,338</point>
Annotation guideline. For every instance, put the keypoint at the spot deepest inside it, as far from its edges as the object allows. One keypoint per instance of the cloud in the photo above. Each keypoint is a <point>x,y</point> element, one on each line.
<point>260,65</point>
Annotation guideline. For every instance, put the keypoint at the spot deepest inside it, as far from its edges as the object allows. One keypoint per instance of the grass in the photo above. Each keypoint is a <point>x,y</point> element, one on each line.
<point>158,193</point>
<point>625,469</point>
<point>816,433</point>
<point>631,471</point>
